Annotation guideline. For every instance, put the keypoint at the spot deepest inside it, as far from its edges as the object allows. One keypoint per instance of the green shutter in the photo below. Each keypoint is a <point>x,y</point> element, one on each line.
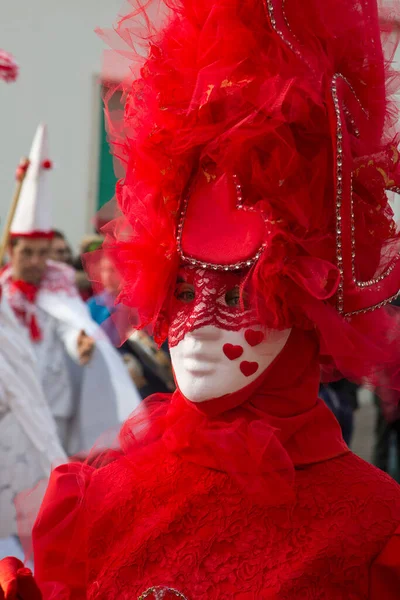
<point>107,179</point>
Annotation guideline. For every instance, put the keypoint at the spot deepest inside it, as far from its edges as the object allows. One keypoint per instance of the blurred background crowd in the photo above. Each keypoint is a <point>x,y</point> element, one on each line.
<point>150,366</point>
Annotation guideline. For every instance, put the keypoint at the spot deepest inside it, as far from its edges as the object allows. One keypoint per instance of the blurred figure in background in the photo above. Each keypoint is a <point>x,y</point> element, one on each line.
<point>149,366</point>
<point>43,295</point>
<point>101,305</point>
<point>29,445</point>
<point>386,453</point>
<point>30,276</point>
<point>60,250</point>
<point>90,243</point>
<point>35,288</point>
<point>341,397</point>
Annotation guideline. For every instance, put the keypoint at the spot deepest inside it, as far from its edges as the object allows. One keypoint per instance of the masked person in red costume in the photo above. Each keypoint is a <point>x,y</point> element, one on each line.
<point>255,234</point>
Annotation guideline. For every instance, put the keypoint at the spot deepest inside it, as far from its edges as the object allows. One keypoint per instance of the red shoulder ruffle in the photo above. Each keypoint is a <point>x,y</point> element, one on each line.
<point>59,534</point>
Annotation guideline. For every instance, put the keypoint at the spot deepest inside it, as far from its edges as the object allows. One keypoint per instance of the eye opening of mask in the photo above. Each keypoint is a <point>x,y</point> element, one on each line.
<point>232,296</point>
<point>184,291</point>
<point>237,297</point>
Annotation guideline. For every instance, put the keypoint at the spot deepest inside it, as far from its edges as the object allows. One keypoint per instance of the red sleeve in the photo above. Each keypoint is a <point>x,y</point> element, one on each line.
<point>60,534</point>
<point>385,571</point>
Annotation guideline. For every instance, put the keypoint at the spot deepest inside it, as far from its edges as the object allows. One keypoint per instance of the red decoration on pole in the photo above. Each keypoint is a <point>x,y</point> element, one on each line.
<point>8,67</point>
<point>22,169</point>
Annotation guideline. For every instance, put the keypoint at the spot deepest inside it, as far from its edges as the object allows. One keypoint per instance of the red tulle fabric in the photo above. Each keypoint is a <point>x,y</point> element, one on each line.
<point>263,110</point>
<point>252,434</point>
<point>254,495</point>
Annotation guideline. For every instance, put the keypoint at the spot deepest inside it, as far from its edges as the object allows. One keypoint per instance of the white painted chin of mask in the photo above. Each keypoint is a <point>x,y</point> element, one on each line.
<point>210,362</point>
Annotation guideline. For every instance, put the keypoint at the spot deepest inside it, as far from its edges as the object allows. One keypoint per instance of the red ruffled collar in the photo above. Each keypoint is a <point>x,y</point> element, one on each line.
<point>259,436</point>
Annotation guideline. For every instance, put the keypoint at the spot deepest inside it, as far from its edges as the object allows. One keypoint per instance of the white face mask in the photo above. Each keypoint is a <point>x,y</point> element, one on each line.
<point>210,362</point>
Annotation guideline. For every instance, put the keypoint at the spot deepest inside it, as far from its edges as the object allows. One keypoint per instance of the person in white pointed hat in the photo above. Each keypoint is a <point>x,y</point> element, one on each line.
<point>29,444</point>
<point>45,299</point>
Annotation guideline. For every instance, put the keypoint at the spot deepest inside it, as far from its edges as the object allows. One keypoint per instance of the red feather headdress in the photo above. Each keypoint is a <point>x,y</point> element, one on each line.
<point>258,135</point>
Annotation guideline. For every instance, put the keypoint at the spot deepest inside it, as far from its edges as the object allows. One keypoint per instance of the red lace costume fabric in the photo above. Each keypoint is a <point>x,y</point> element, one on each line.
<point>190,529</point>
<point>171,512</point>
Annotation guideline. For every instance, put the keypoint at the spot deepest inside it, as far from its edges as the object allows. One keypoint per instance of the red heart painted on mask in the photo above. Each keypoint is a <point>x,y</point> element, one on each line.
<point>254,338</point>
<point>232,352</point>
<point>248,368</point>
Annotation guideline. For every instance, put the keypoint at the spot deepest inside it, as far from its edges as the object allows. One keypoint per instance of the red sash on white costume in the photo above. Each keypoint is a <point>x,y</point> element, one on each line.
<point>22,296</point>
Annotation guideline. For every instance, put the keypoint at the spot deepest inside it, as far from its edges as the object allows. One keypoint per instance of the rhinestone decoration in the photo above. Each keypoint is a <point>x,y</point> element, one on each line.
<point>286,20</point>
<point>351,88</point>
<point>352,122</point>
<point>339,190</point>
<point>244,264</point>
<point>159,592</point>
<point>371,308</point>
<point>365,284</point>
<point>339,196</point>
<point>270,10</point>
<point>353,234</point>
<point>375,280</point>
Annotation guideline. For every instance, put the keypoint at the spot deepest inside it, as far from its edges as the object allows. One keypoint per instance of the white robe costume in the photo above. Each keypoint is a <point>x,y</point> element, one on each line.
<point>29,445</point>
<point>98,397</point>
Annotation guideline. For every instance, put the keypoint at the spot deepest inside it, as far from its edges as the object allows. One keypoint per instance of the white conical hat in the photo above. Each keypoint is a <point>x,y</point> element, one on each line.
<point>33,215</point>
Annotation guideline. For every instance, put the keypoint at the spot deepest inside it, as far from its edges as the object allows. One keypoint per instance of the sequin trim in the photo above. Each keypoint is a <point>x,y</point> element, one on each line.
<point>352,122</point>
<point>365,284</point>
<point>159,592</point>
<point>286,20</point>
<point>374,307</point>
<point>270,11</point>
<point>361,284</point>
<point>339,198</point>
<point>339,191</point>
<point>186,259</point>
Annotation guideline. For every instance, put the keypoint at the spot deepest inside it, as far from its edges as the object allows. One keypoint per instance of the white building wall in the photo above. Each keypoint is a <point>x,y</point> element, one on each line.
<point>60,58</point>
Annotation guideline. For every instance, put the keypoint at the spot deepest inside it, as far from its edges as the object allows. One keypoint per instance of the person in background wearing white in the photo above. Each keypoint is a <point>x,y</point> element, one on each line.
<point>29,444</point>
<point>52,338</point>
<point>45,299</point>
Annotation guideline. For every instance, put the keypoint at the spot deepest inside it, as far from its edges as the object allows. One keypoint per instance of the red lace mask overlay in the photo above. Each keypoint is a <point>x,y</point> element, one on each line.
<point>203,297</point>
